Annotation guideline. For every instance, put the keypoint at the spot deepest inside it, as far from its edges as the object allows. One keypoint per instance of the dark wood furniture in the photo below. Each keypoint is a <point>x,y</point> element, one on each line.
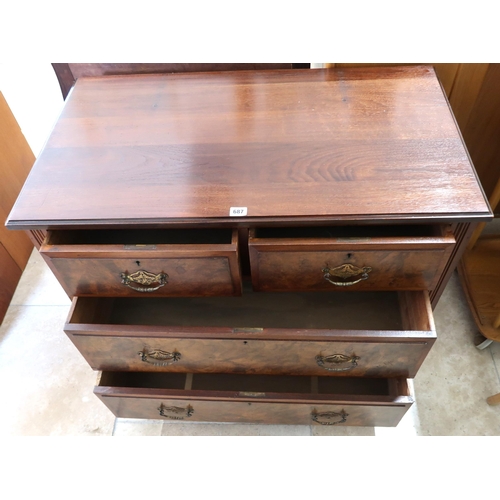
<point>255,246</point>
<point>494,400</point>
<point>68,73</point>
<point>16,160</point>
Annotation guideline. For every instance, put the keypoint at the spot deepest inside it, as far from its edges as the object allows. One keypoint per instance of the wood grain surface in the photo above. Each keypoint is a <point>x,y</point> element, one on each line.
<point>481,131</point>
<point>68,73</point>
<point>394,263</point>
<point>367,414</point>
<point>258,333</point>
<point>10,274</point>
<point>374,358</point>
<point>16,160</point>
<point>358,143</point>
<point>93,263</point>
<point>480,274</point>
<point>368,402</point>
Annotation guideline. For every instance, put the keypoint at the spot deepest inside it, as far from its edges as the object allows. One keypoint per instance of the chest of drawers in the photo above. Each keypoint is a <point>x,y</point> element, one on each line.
<point>254,246</point>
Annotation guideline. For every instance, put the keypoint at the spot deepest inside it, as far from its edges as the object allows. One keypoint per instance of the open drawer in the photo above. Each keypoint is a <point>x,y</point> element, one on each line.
<point>255,398</point>
<point>357,258</point>
<point>364,334</point>
<point>162,262</point>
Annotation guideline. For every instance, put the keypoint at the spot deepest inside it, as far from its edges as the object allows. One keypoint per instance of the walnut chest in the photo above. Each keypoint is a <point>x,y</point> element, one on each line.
<point>254,246</point>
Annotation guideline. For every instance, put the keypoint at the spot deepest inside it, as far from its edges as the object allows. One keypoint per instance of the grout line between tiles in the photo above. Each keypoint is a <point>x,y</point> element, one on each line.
<point>114,427</point>
<point>495,365</point>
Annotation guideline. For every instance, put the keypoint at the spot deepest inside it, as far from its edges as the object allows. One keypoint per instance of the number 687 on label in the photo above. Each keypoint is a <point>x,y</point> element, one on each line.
<point>237,211</point>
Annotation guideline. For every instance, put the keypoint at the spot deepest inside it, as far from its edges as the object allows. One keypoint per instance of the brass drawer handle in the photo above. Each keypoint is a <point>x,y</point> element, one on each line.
<point>158,357</point>
<point>327,418</point>
<point>332,362</point>
<point>144,279</point>
<point>175,413</point>
<point>345,271</point>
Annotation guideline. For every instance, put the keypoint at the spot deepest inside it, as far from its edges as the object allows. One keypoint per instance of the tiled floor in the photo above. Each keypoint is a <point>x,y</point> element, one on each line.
<point>46,386</point>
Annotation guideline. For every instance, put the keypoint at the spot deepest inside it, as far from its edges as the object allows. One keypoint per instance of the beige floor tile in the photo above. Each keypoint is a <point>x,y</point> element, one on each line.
<point>494,350</point>
<point>333,430</point>
<point>223,429</point>
<point>455,378</point>
<point>137,427</point>
<point>46,385</point>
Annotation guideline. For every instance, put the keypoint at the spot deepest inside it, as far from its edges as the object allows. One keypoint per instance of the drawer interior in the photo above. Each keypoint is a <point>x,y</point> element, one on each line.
<point>193,236</point>
<point>252,383</point>
<point>372,231</point>
<point>288,310</point>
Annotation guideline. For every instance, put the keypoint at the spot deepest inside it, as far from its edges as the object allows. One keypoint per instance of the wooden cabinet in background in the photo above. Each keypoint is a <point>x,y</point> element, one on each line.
<point>475,100</point>
<point>16,160</point>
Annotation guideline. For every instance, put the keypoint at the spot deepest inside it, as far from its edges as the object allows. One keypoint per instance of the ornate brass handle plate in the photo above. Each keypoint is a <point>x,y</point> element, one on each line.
<point>175,412</point>
<point>159,357</point>
<point>329,417</point>
<point>144,280</point>
<point>345,272</point>
<point>337,362</point>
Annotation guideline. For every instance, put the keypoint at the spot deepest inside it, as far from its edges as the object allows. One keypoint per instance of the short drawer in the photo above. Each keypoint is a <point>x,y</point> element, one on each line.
<point>255,398</point>
<point>366,334</point>
<point>349,258</point>
<point>181,262</point>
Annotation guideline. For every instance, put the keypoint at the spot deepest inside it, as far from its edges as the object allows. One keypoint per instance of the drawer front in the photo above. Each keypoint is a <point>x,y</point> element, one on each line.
<point>113,344</point>
<point>141,276</point>
<point>371,264</point>
<point>366,415</point>
<point>135,270</point>
<point>380,357</point>
<point>258,407</point>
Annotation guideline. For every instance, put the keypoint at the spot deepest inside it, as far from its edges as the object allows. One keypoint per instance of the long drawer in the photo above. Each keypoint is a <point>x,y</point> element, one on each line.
<point>180,262</point>
<point>381,334</point>
<point>349,258</point>
<point>255,398</point>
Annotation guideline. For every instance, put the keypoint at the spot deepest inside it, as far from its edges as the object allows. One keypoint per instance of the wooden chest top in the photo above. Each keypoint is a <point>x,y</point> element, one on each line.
<point>357,144</point>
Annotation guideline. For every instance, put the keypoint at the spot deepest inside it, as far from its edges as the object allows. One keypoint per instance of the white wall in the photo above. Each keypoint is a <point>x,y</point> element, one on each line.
<point>34,97</point>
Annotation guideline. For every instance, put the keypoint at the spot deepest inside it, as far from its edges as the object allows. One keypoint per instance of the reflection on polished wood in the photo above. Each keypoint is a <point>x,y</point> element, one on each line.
<point>363,143</point>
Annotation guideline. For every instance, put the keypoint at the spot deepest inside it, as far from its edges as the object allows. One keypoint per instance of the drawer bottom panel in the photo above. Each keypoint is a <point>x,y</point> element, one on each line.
<point>295,400</point>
